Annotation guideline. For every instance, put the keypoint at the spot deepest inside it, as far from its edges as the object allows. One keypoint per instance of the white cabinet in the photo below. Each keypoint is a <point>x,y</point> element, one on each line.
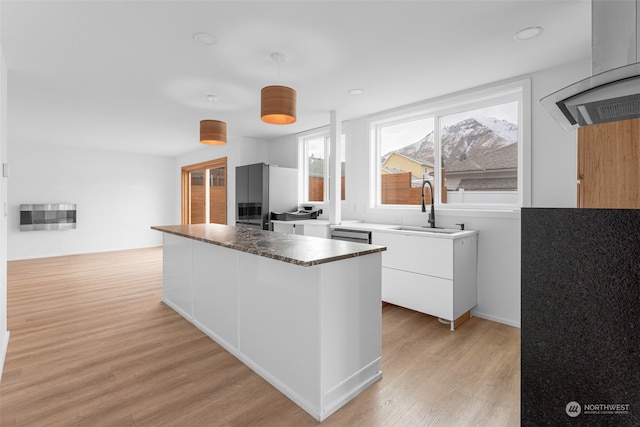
<point>433,275</point>
<point>199,289</point>
<point>287,227</point>
<point>314,332</point>
<point>176,282</point>
<point>308,228</point>
<point>316,230</point>
<point>424,255</point>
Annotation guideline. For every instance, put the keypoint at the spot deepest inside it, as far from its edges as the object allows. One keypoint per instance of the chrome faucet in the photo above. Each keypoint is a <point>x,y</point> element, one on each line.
<point>432,214</point>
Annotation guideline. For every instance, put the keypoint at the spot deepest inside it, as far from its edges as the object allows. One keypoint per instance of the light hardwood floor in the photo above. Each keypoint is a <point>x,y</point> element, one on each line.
<point>92,345</point>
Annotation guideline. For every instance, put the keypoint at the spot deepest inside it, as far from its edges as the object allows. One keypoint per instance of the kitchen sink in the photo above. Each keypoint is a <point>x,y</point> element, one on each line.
<point>426,229</point>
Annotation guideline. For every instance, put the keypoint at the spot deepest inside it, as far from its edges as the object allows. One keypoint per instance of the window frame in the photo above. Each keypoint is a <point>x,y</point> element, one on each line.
<point>185,188</point>
<point>303,163</point>
<point>519,90</point>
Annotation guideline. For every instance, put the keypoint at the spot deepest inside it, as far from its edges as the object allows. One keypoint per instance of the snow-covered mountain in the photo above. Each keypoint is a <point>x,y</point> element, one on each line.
<point>467,139</point>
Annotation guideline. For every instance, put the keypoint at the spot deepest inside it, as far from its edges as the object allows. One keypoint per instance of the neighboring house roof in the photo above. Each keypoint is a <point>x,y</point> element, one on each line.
<point>413,159</point>
<point>392,170</point>
<point>505,157</point>
<point>489,184</point>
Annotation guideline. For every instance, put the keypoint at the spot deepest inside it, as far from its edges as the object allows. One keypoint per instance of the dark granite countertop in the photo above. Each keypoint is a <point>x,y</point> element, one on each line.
<point>301,250</point>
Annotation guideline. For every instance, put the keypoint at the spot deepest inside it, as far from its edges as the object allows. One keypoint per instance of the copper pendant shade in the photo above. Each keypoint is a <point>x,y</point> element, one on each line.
<point>213,132</point>
<point>278,105</point>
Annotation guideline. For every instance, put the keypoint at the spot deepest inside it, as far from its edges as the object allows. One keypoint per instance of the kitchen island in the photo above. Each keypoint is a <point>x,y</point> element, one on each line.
<point>302,312</point>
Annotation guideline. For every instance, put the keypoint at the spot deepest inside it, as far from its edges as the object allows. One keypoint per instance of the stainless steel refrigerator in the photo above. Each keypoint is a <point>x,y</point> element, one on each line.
<point>262,188</point>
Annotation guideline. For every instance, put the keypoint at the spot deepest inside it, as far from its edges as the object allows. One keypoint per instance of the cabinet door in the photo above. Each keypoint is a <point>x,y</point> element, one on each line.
<point>242,184</point>
<point>283,228</point>
<point>258,182</point>
<point>426,294</point>
<point>418,254</point>
<point>609,165</point>
<point>316,230</point>
<point>215,291</point>
<point>176,274</point>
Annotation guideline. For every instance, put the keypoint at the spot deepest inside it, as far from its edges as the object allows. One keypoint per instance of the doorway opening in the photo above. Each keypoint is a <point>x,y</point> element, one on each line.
<point>204,192</point>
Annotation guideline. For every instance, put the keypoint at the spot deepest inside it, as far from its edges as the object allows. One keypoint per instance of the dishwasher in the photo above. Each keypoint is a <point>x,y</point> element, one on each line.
<point>351,235</point>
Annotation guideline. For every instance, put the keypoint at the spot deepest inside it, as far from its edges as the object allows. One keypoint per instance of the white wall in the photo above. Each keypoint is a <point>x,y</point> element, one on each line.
<point>553,176</point>
<point>4,333</point>
<point>554,150</point>
<point>238,151</point>
<point>119,196</point>
<point>284,152</point>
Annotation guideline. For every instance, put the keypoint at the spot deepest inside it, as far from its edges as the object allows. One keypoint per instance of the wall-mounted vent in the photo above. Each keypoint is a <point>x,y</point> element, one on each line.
<point>621,109</point>
<point>52,216</point>
<point>612,93</point>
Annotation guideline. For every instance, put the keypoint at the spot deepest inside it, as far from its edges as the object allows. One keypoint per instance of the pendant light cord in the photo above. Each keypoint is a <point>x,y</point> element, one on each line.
<point>212,100</point>
<point>278,57</point>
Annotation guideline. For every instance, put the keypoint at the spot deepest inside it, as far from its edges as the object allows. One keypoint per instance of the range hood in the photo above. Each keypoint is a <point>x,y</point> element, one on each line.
<point>612,93</point>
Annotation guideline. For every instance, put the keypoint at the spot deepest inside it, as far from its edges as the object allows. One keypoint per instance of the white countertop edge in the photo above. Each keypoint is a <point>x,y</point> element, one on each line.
<point>390,228</point>
<point>312,221</point>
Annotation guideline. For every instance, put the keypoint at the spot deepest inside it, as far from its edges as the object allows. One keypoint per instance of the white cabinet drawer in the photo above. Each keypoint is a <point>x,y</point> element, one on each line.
<point>432,256</point>
<point>426,294</point>
<point>316,230</point>
<point>283,228</point>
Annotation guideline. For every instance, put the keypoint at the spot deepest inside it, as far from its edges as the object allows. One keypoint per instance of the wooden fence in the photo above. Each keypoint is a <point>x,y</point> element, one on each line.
<point>316,188</point>
<point>396,190</point>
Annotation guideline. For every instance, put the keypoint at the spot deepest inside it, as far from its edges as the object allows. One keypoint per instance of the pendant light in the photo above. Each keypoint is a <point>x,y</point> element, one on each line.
<point>278,103</point>
<point>213,132</point>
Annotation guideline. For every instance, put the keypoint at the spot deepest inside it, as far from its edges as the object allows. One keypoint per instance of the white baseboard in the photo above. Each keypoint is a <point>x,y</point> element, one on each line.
<point>217,338</point>
<point>495,319</point>
<point>333,399</point>
<point>3,351</point>
<point>177,309</point>
<point>340,395</point>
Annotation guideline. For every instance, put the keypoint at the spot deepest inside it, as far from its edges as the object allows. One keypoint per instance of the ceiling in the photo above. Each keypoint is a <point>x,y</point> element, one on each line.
<point>128,75</point>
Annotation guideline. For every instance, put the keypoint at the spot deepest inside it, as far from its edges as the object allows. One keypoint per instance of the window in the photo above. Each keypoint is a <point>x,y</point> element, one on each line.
<point>404,164</point>
<point>204,192</point>
<point>469,149</point>
<point>315,167</point>
<point>479,160</point>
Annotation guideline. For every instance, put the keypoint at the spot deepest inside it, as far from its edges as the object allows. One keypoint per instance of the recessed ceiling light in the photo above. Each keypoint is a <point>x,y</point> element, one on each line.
<point>356,91</point>
<point>527,34</point>
<point>205,39</point>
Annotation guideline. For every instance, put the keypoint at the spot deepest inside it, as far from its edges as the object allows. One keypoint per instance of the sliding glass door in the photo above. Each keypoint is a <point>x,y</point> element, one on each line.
<point>218,194</point>
<point>204,192</point>
<point>197,198</point>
